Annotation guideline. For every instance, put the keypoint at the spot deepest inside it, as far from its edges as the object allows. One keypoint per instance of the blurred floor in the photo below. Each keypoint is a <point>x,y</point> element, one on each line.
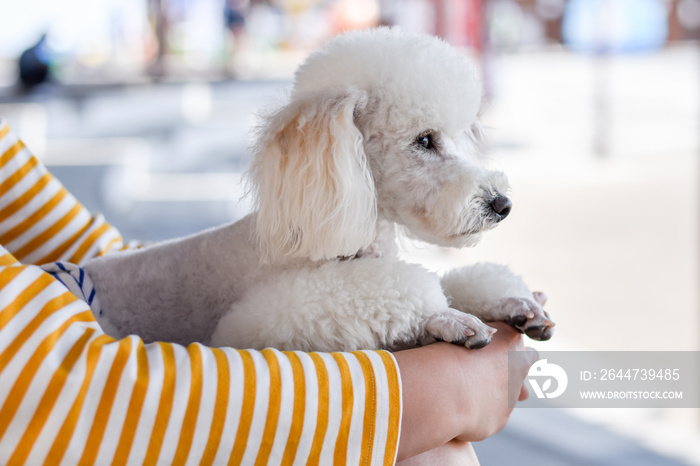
<point>612,239</point>
<point>553,437</point>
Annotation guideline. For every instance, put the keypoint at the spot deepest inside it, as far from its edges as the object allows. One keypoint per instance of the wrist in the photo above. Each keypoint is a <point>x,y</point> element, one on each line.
<point>434,408</point>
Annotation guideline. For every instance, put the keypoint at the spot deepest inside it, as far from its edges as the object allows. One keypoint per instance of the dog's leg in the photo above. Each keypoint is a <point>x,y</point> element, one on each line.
<point>458,327</point>
<point>493,293</point>
<point>368,303</point>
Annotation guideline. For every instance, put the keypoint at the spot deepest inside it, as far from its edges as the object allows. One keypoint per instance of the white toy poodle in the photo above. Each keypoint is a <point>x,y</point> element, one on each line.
<point>380,134</point>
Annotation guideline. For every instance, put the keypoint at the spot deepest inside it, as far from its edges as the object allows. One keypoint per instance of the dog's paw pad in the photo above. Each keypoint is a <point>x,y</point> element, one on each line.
<point>459,328</point>
<point>528,317</point>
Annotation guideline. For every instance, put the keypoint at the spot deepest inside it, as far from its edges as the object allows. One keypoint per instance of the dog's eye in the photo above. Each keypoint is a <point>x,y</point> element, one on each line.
<point>425,141</point>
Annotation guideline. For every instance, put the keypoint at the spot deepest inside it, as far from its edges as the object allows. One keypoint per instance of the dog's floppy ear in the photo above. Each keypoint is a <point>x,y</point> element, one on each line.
<point>314,190</point>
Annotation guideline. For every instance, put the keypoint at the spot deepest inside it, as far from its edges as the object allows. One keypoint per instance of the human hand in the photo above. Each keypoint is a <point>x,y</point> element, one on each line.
<point>450,392</point>
<point>488,401</point>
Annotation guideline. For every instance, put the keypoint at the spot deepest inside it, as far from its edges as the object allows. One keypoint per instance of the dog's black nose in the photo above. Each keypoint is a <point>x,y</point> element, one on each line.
<point>501,205</point>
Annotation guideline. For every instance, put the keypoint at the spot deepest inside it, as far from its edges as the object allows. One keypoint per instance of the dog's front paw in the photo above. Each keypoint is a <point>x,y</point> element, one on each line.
<point>459,328</point>
<point>528,316</point>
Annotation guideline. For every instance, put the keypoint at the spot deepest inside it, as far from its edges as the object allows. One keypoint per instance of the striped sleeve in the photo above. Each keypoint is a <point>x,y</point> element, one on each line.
<point>40,221</point>
<point>71,394</point>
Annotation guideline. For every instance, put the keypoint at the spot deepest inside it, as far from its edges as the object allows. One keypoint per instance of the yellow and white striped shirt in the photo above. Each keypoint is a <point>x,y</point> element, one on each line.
<point>71,394</point>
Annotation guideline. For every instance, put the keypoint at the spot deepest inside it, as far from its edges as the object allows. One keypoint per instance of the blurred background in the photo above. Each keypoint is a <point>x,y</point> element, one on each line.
<point>142,108</point>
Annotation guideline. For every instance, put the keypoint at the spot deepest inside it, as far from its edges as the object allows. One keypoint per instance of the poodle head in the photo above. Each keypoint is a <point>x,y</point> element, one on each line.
<point>381,125</point>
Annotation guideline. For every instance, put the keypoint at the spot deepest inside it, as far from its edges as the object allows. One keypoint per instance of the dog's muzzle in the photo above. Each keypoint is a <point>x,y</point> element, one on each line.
<point>501,206</point>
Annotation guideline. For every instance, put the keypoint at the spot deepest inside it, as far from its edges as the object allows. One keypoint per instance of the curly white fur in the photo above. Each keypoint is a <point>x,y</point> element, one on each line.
<point>381,131</point>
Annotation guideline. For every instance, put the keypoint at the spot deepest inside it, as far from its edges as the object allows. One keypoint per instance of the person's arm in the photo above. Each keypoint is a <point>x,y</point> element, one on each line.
<point>450,392</point>
<point>69,392</point>
<point>40,221</point>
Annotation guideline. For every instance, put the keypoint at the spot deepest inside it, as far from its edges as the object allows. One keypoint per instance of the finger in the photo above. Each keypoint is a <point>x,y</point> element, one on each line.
<point>519,364</point>
<point>532,355</point>
<point>506,333</point>
<point>524,359</point>
<point>540,297</point>
<point>523,394</point>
